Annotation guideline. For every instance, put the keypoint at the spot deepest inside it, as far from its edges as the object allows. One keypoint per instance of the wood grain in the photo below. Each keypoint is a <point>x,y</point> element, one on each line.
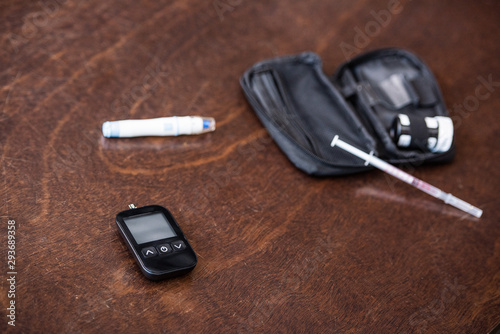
<point>278,251</point>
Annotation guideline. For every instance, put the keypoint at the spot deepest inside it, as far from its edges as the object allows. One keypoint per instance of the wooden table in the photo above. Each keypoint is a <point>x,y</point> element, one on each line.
<point>279,251</point>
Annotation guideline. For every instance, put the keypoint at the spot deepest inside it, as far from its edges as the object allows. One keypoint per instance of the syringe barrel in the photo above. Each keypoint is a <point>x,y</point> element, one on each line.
<point>403,176</point>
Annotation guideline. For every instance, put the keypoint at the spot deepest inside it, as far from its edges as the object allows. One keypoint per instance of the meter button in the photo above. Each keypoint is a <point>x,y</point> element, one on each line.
<point>149,252</point>
<point>164,249</point>
<point>178,245</point>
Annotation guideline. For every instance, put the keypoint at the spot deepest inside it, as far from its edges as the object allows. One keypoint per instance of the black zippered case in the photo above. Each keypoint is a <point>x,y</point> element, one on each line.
<point>303,109</point>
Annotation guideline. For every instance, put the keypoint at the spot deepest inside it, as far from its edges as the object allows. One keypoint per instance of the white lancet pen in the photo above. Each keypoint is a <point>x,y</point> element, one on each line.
<point>163,126</point>
<point>405,177</point>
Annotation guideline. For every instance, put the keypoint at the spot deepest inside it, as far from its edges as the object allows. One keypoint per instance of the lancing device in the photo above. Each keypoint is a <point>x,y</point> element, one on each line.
<point>163,126</point>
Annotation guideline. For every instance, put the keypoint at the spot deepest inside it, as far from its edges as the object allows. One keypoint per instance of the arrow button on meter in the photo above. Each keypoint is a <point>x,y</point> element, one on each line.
<point>178,245</point>
<point>149,252</point>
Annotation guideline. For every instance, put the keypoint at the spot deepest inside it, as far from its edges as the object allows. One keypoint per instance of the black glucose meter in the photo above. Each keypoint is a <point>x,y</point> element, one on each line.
<point>156,241</point>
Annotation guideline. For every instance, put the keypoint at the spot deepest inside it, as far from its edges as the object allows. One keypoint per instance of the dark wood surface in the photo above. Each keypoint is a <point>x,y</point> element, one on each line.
<point>279,251</point>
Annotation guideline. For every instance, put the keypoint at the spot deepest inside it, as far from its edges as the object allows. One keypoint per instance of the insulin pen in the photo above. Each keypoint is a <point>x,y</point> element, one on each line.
<point>417,183</point>
<point>163,126</point>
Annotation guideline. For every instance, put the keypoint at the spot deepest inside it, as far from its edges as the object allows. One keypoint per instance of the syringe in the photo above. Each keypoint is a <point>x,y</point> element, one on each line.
<point>405,177</point>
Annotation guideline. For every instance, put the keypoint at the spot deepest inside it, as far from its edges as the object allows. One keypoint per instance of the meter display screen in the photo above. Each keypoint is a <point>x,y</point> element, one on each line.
<point>149,227</point>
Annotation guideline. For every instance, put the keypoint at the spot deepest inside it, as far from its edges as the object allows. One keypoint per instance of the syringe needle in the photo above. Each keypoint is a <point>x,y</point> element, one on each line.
<point>405,177</point>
